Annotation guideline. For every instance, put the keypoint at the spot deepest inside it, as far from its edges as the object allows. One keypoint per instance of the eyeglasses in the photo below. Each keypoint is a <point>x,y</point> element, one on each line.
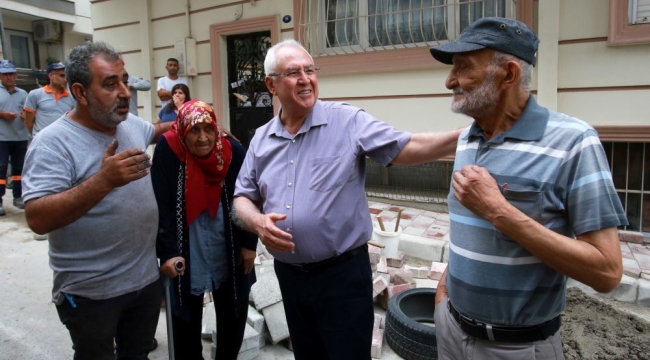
<point>297,73</point>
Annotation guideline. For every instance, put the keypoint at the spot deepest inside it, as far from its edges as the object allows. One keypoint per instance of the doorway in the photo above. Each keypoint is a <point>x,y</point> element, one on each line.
<point>249,101</point>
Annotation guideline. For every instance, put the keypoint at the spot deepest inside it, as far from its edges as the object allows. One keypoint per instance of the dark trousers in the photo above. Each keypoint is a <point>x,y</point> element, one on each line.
<point>230,325</point>
<point>329,310</point>
<point>16,150</point>
<point>122,327</point>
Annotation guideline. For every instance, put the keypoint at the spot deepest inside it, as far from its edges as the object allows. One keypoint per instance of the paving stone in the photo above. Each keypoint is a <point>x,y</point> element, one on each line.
<point>375,254</point>
<point>396,289</point>
<point>380,205</point>
<point>645,274</point>
<point>625,251</point>
<point>639,249</point>
<point>378,321</point>
<point>631,268</point>
<point>382,300</point>
<point>209,321</point>
<point>396,262</point>
<point>394,271</point>
<point>412,212</point>
<point>422,248</point>
<point>403,277</point>
<point>411,230</point>
<point>577,284</point>
<point>418,272</point>
<point>256,320</point>
<point>382,267</point>
<point>626,290</point>
<point>630,236</point>
<point>437,269</point>
<point>249,354</point>
<point>643,297</point>
<point>377,343</point>
<point>266,291</point>
<point>419,224</point>
<point>378,286</point>
<point>251,339</point>
<point>276,322</point>
<point>387,216</point>
<point>445,249</point>
<point>643,261</point>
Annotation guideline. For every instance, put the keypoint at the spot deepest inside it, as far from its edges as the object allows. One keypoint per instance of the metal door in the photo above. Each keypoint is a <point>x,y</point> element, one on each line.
<point>251,104</point>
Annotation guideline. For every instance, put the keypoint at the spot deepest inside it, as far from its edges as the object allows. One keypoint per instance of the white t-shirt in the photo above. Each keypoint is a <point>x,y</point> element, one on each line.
<point>167,84</point>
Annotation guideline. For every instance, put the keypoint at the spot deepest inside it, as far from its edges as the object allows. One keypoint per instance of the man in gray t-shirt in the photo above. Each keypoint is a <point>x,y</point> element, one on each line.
<point>87,184</point>
<point>13,134</point>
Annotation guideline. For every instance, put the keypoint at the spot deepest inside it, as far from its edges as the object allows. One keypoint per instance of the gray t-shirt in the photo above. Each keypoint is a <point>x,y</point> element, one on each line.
<point>13,130</point>
<point>110,251</point>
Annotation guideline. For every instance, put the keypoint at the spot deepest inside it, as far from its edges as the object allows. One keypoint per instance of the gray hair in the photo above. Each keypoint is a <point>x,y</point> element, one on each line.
<point>500,58</point>
<point>271,60</point>
<point>77,68</point>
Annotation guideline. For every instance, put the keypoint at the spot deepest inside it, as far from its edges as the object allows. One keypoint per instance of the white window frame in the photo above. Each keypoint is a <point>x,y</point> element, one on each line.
<point>30,48</point>
<point>319,12</point>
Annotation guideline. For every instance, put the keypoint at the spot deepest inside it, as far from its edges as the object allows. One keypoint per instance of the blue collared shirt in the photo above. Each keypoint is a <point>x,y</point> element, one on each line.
<point>208,252</point>
<point>317,177</point>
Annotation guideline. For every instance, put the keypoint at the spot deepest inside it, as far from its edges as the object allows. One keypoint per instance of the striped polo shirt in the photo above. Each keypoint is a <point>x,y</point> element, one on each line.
<point>48,106</point>
<point>553,168</point>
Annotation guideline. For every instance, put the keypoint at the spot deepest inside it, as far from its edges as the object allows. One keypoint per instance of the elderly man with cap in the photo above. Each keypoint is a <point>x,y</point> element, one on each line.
<point>45,105</point>
<point>13,134</point>
<point>532,203</point>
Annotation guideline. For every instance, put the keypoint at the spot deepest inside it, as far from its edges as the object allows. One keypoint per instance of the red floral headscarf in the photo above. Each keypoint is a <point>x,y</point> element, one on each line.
<point>204,176</point>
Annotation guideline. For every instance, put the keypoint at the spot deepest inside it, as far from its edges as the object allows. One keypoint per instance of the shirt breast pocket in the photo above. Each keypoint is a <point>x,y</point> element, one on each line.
<point>527,201</point>
<point>325,173</point>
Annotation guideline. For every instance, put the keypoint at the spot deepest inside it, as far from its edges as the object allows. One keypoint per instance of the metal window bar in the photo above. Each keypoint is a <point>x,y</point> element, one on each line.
<point>425,183</point>
<point>335,27</point>
<point>634,201</point>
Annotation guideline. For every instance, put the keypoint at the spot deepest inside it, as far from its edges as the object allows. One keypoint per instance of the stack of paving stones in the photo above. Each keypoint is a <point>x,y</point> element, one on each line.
<point>635,284</point>
<point>424,236</point>
<point>390,277</point>
<point>266,321</point>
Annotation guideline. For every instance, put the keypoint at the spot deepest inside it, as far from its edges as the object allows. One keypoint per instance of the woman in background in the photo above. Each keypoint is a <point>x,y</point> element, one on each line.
<point>180,95</point>
<point>193,173</point>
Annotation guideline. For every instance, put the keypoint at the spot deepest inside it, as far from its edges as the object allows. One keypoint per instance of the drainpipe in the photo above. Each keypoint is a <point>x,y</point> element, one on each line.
<point>187,19</point>
<point>2,36</point>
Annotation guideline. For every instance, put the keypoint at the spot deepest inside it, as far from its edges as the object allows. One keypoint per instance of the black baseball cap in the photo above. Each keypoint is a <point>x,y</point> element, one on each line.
<point>506,35</point>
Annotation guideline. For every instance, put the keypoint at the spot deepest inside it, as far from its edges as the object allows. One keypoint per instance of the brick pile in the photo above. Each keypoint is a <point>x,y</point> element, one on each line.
<point>390,276</point>
<point>266,318</point>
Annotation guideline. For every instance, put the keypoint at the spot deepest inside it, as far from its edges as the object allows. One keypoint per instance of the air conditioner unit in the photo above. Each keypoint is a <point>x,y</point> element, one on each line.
<point>46,30</point>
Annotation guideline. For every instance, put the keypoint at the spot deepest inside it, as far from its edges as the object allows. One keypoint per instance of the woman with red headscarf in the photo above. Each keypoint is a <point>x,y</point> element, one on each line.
<point>193,173</point>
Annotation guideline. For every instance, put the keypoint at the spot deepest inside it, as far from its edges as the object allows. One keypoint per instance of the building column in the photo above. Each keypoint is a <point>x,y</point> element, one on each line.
<point>548,53</point>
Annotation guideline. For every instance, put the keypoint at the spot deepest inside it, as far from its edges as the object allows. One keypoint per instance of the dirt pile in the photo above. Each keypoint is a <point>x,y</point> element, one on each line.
<point>592,329</point>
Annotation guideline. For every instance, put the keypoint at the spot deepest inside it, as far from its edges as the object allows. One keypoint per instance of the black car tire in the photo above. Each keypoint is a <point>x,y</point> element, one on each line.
<point>406,332</point>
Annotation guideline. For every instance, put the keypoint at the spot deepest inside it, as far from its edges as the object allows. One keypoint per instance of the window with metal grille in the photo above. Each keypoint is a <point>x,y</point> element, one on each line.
<point>638,12</point>
<point>630,166</point>
<point>351,26</point>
